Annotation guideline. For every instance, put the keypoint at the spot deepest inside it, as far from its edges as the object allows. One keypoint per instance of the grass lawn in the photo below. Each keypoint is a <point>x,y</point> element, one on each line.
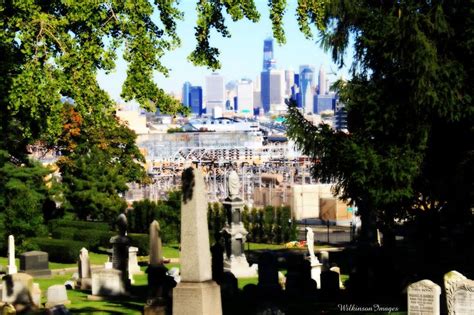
<point>95,259</point>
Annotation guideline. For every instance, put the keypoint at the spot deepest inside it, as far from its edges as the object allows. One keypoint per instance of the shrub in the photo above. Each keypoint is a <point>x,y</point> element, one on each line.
<point>84,225</point>
<point>93,239</point>
<point>64,233</point>
<point>141,241</point>
<point>61,251</point>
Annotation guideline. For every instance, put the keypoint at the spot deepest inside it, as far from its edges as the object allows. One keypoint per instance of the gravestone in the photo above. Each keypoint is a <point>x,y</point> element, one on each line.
<point>234,231</point>
<point>108,282</point>
<point>423,298</point>
<point>325,260</point>
<point>298,276</point>
<point>84,268</point>
<point>217,253</point>
<point>330,281</point>
<point>120,244</point>
<point>196,293</point>
<point>450,279</point>
<point>12,269</point>
<point>35,263</point>
<point>463,297</point>
<point>17,289</point>
<point>57,295</point>
<point>338,270</point>
<point>160,284</point>
<point>133,267</point>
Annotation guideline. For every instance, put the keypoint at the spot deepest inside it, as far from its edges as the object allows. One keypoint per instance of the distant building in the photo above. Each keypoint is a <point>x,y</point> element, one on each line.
<point>185,94</point>
<point>306,80</point>
<point>195,100</point>
<point>289,81</point>
<point>340,121</point>
<point>273,90</point>
<point>215,92</point>
<point>322,84</point>
<point>245,97</point>
<point>324,103</point>
<point>268,58</point>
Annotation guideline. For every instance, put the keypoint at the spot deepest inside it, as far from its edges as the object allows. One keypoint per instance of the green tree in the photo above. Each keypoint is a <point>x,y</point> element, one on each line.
<point>268,224</point>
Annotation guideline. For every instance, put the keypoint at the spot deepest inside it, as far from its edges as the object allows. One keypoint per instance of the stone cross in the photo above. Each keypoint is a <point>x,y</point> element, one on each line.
<point>450,279</point>
<point>423,298</point>
<point>195,256</point>
<point>156,250</point>
<point>12,269</point>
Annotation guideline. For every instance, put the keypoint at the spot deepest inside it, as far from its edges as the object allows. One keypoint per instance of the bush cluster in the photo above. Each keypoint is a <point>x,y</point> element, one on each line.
<point>91,235</point>
<point>61,251</point>
<point>142,241</point>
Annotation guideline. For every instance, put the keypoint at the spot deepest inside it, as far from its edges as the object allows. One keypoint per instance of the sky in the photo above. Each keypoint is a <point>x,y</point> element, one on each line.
<point>241,55</point>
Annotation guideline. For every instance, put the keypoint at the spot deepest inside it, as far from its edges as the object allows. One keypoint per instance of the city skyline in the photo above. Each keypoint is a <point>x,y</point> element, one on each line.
<point>241,55</point>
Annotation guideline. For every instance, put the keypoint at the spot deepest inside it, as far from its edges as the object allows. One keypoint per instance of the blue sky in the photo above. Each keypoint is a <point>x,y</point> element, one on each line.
<point>241,54</point>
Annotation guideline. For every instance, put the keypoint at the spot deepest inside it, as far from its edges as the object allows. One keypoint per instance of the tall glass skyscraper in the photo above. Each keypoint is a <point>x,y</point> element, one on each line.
<point>185,94</point>
<point>195,100</point>
<point>268,59</point>
<point>215,93</point>
<point>306,91</point>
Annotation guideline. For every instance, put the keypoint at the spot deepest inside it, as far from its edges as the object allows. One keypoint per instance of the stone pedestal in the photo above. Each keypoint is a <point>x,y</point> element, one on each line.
<point>235,236</point>
<point>108,282</point>
<point>133,267</point>
<point>120,245</point>
<point>197,298</point>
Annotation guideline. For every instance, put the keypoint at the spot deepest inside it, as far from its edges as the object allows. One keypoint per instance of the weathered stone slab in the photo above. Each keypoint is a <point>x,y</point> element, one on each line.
<point>57,295</point>
<point>17,288</point>
<point>108,282</point>
<point>463,296</point>
<point>203,298</point>
<point>35,263</point>
<point>450,280</point>
<point>423,298</point>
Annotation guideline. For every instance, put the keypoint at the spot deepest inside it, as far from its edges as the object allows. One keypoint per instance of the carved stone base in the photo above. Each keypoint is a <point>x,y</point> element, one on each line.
<point>240,267</point>
<point>197,298</point>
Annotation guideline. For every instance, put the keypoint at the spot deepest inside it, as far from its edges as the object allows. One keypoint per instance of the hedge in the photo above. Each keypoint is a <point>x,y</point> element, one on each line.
<point>83,225</point>
<point>93,239</point>
<point>64,233</point>
<point>61,251</point>
<point>142,241</point>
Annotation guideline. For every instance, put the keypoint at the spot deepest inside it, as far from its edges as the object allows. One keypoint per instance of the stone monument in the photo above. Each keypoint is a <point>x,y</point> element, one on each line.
<point>133,267</point>
<point>35,263</point>
<point>160,284</point>
<point>315,264</point>
<point>234,231</point>
<point>196,294</point>
<point>450,279</point>
<point>84,268</point>
<point>120,244</point>
<point>11,256</point>
<point>57,295</point>
<point>19,288</point>
<point>423,298</point>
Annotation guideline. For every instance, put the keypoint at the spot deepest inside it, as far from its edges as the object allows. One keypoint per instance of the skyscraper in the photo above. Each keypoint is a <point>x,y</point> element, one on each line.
<point>268,59</point>
<point>289,81</point>
<point>185,94</point>
<point>306,87</point>
<point>195,100</point>
<point>215,93</point>
<point>323,89</point>
<point>245,97</point>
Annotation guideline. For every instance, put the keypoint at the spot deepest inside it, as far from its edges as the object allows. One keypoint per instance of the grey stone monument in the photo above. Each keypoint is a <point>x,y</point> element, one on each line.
<point>450,280</point>
<point>57,295</point>
<point>11,256</point>
<point>196,294</point>
<point>423,298</point>
<point>84,268</point>
<point>234,231</point>
<point>120,244</point>
<point>35,263</point>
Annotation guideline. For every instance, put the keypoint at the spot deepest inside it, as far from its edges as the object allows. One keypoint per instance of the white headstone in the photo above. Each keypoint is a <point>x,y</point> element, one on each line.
<point>84,264</point>
<point>423,298</point>
<point>156,250</point>
<point>12,269</point>
<point>463,297</point>
<point>107,282</point>
<point>195,256</point>
<point>57,295</point>
<point>450,279</point>
<point>133,267</point>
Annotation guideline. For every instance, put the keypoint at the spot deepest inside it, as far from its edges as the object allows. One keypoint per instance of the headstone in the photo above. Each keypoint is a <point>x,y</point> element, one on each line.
<point>234,232</point>
<point>338,270</point>
<point>108,282</point>
<point>36,294</point>
<point>17,288</point>
<point>196,293</point>
<point>35,263</point>
<point>57,295</point>
<point>11,256</point>
<point>423,298</point>
<point>133,267</point>
<point>84,268</point>
<point>298,276</point>
<point>330,281</point>
<point>325,260</point>
<point>156,250</point>
<point>217,252</point>
<point>463,297</point>
<point>450,279</point>
<point>120,244</point>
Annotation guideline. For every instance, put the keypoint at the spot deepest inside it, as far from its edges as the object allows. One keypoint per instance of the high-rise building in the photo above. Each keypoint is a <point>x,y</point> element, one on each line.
<point>340,121</point>
<point>268,59</point>
<point>289,81</point>
<point>245,97</point>
<point>185,94</point>
<point>195,100</point>
<point>215,93</point>
<point>323,89</point>
<point>306,80</point>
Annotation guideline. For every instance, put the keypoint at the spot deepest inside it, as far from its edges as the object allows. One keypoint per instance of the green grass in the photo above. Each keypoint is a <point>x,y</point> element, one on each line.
<point>244,281</point>
<point>95,259</point>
